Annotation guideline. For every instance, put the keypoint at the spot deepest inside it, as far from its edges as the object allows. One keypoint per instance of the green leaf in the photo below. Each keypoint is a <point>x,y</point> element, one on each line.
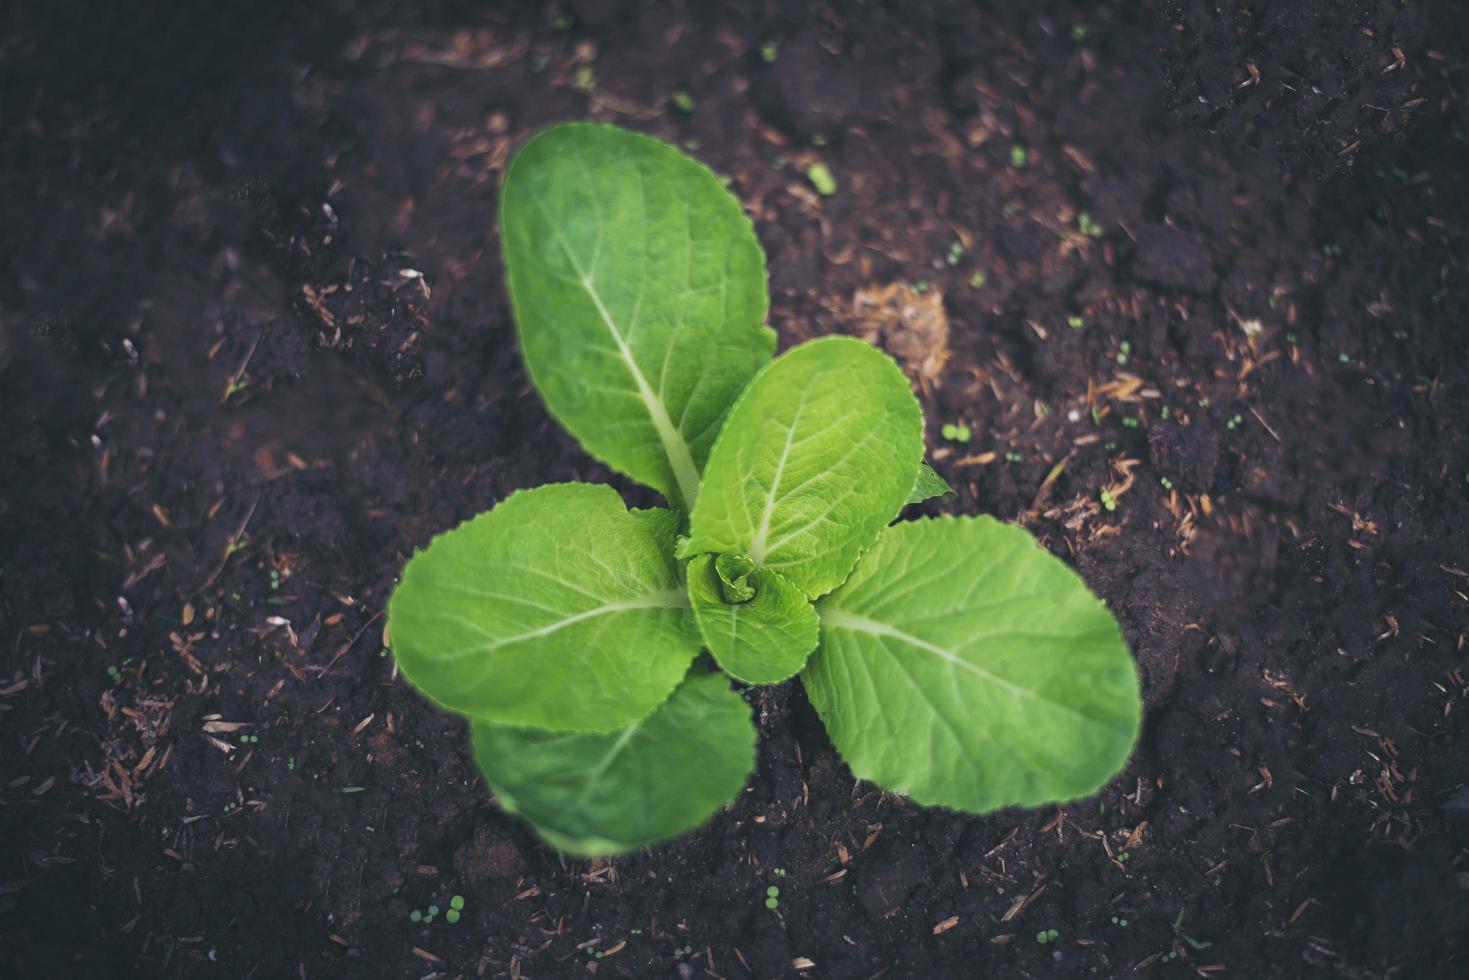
<point>639,291</point>
<point>816,456</point>
<point>558,609</point>
<point>734,573</point>
<point>761,640</point>
<point>967,667</point>
<point>598,795</point>
<point>929,485</point>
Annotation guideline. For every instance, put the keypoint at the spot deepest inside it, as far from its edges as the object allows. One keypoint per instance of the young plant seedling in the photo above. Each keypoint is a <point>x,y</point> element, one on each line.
<point>950,659</point>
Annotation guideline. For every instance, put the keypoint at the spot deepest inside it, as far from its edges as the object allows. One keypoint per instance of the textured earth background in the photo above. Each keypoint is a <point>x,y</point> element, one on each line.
<point>1192,275</point>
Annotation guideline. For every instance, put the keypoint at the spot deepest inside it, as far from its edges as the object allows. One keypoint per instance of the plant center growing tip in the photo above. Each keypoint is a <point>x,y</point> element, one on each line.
<point>735,581</point>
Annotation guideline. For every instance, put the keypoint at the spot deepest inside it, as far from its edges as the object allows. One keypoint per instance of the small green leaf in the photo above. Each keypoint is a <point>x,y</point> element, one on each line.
<point>763,640</point>
<point>821,178</point>
<point>639,293</point>
<point>817,455</point>
<point>598,795</point>
<point>558,609</point>
<point>734,578</point>
<point>929,485</point>
<point>967,667</point>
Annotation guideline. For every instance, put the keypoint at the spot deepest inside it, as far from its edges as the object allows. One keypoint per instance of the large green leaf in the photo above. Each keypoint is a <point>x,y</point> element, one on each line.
<point>963,665</point>
<point>639,290</point>
<point>598,795</point>
<point>816,456</point>
<point>761,640</point>
<point>558,609</point>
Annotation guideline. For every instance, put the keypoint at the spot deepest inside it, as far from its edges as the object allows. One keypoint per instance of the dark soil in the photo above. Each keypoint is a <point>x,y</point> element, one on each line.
<point>255,349</point>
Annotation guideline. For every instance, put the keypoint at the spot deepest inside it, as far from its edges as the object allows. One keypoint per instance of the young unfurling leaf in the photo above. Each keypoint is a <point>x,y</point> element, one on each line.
<point>762,639</point>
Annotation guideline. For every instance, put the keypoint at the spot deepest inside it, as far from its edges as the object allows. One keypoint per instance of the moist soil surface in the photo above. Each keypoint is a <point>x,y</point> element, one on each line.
<point>1192,275</point>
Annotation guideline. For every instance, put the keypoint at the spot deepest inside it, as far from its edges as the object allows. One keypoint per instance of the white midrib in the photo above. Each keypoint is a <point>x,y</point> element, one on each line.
<point>667,599</point>
<point>762,533</point>
<point>841,619</point>
<point>680,459</point>
<point>595,776</point>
